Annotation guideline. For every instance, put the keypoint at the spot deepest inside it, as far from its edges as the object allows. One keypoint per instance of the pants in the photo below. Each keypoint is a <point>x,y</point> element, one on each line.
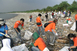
<point>41,29</point>
<point>76,26</point>
<point>71,44</point>
<point>50,37</point>
<point>53,16</point>
<point>19,35</point>
<point>46,18</point>
<point>34,49</point>
<point>30,19</point>
<point>1,38</point>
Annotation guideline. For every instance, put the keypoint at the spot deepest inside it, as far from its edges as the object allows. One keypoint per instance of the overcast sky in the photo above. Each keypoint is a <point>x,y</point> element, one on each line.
<point>23,5</point>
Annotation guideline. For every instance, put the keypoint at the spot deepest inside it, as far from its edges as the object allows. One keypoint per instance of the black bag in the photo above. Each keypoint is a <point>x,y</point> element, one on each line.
<point>45,25</point>
<point>38,23</point>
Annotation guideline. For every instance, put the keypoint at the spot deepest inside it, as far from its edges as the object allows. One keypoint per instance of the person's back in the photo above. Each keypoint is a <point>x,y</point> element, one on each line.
<point>38,20</point>
<point>50,27</point>
<point>40,43</point>
<point>6,45</point>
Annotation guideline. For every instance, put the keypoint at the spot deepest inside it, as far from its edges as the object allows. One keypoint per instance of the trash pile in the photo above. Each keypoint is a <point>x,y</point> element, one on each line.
<point>62,28</point>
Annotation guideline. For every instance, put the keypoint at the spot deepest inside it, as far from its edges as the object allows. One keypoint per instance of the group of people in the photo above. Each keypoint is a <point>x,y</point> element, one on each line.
<point>39,45</point>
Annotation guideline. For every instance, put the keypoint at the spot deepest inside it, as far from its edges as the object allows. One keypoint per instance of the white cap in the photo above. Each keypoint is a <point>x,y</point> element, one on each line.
<point>2,21</point>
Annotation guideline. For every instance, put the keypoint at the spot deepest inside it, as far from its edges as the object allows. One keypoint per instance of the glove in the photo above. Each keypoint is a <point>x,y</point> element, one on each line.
<point>7,35</point>
<point>32,44</point>
<point>56,34</point>
<point>19,33</point>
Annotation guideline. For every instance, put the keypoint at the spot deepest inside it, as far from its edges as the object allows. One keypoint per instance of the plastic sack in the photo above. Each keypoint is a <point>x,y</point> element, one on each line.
<point>64,48</point>
<point>65,25</point>
<point>51,17</point>
<point>20,48</point>
<point>46,49</point>
<point>62,15</point>
<point>28,35</point>
<point>73,27</point>
<point>69,22</point>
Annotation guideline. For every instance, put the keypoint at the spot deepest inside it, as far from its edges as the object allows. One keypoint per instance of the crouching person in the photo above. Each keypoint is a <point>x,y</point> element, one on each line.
<point>6,45</point>
<point>50,32</point>
<point>39,44</point>
<point>73,41</point>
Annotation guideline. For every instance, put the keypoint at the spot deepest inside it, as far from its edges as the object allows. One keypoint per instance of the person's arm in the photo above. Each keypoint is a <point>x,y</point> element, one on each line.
<point>6,31</point>
<point>23,28</point>
<point>54,31</point>
<point>16,29</point>
<point>72,47</point>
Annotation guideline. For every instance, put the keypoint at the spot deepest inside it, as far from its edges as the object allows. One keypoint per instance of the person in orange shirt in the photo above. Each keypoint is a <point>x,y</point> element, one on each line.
<point>17,29</point>
<point>39,42</point>
<point>50,32</point>
<point>76,21</point>
<point>73,41</point>
<point>39,24</point>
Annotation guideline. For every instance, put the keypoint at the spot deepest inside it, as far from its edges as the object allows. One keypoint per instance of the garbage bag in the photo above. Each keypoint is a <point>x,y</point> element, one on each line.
<point>21,47</point>
<point>46,49</point>
<point>73,27</point>
<point>51,17</point>
<point>65,25</point>
<point>69,22</point>
<point>28,35</point>
<point>64,48</point>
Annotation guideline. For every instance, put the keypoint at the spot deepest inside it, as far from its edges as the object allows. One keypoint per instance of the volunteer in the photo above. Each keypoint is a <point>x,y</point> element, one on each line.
<point>52,14</point>
<point>30,18</point>
<point>3,29</point>
<point>51,32</point>
<point>46,15</point>
<point>73,41</point>
<point>38,42</point>
<point>76,21</point>
<point>39,24</point>
<point>18,26</point>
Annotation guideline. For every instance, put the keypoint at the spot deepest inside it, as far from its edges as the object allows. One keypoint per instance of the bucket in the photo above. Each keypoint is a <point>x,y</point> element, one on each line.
<point>28,35</point>
<point>35,35</point>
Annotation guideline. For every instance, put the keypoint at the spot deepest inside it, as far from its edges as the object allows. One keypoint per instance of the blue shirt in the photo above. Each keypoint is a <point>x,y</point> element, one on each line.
<point>2,29</point>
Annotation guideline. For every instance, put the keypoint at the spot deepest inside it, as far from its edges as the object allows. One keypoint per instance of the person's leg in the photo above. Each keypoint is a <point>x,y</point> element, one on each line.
<point>19,35</point>
<point>42,30</point>
<point>39,30</point>
<point>52,38</point>
<point>30,19</point>
<point>48,37</point>
<point>34,49</point>
<point>1,38</point>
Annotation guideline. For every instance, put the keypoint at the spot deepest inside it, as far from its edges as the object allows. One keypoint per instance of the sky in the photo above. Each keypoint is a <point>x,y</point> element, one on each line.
<point>23,5</point>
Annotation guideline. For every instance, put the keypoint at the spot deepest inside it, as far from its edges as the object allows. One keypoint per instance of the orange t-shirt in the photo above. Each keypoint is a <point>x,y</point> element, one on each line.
<point>76,17</point>
<point>69,19</point>
<point>38,20</point>
<point>75,41</point>
<point>40,43</point>
<point>17,23</point>
<point>50,27</point>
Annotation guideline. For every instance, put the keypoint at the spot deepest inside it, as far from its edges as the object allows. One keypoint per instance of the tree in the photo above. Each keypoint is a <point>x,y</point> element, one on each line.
<point>64,5</point>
